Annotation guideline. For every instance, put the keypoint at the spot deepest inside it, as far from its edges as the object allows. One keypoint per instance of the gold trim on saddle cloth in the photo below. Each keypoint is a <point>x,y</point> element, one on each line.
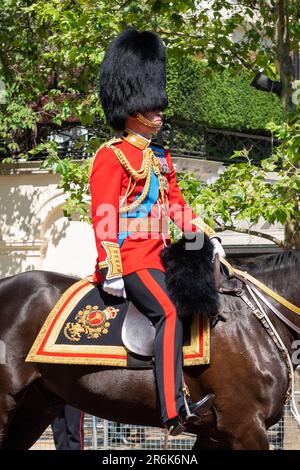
<point>198,344</point>
<point>45,349</point>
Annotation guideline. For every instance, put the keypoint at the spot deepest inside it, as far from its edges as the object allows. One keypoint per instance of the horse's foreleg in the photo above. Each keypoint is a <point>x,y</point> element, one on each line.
<point>249,435</point>
<point>37,411</point>
<point>9,400</point>
<point>209,443</point>
<point>7,407</point>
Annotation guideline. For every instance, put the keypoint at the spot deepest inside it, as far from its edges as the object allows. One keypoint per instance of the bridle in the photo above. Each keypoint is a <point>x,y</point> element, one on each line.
<point>252,283</point>
<point>254,288</point>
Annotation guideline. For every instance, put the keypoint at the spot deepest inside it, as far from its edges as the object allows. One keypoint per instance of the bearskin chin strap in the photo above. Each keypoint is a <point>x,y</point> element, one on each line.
<point>139,117</point>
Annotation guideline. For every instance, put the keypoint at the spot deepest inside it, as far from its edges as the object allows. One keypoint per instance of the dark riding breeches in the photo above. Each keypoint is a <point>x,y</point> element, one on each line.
<point>146,288</point>
<point>67,429</point>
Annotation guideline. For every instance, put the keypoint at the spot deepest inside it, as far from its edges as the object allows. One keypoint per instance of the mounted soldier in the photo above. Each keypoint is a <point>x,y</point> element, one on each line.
<point>134,191</point>
<point>250,369</point>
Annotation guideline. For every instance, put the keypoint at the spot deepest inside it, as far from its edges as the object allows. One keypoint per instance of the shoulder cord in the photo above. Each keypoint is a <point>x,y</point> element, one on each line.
<point>136,174</point>
<point>149,162</point>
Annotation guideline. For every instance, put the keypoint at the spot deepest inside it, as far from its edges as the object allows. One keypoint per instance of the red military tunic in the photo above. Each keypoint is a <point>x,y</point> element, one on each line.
<point>108,180</point>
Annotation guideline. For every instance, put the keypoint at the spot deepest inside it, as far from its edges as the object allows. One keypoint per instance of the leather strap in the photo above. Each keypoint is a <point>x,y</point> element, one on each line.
<point>217,272</point>
<point>275,310</point>
<point>243,276</point>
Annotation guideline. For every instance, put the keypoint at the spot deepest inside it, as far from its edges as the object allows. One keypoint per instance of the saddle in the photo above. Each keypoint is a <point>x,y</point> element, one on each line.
<point>138,333</point>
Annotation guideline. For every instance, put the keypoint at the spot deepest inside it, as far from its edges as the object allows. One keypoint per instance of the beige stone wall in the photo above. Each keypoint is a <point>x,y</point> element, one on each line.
<point>34,234</point>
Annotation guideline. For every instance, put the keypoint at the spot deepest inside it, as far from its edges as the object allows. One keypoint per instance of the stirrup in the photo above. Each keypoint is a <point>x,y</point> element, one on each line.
<point>177,428</point>
<point>190,417</point>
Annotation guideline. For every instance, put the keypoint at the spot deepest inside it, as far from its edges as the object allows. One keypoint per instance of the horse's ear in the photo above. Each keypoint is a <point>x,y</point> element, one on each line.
<point>190,275</point>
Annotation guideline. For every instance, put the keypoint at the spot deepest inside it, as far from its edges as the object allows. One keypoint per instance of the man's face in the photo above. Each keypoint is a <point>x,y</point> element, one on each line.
<point>155,116</point>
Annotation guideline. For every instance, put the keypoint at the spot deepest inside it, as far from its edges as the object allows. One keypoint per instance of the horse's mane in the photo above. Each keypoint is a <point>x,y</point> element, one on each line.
<point>264,264</point>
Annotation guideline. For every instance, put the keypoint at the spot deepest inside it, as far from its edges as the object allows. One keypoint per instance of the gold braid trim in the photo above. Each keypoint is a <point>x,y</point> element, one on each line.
<point>136,174</point>
<point>106,144</point>
<point>149,161</point>
<point>91,163</point>
<point>110,142</point>
<point>140,199</point>
<point>113,260</point>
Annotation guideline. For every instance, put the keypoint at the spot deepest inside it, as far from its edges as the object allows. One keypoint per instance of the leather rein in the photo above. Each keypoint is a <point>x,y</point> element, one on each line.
<point>251,281</point>
<point>254,288</point>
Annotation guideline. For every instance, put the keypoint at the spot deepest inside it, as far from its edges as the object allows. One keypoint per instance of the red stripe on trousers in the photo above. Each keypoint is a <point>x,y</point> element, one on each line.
<point>168,341</point>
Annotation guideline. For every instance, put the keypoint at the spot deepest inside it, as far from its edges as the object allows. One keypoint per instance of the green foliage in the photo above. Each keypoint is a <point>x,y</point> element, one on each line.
<point>75,183</point>
<point>51,53</point>
<point>49,59</point>
<point>246,191</point>
<point>218,101</point>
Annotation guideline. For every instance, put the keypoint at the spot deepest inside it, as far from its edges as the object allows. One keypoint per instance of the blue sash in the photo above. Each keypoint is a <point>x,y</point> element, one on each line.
<point>145,207</point>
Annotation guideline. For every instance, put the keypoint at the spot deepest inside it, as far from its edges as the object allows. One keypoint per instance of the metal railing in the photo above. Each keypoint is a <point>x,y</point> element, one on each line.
<point>183,138</point>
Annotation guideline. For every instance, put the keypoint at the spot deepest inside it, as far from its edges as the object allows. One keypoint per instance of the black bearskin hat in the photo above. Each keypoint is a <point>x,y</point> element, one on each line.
<point>132,76</point>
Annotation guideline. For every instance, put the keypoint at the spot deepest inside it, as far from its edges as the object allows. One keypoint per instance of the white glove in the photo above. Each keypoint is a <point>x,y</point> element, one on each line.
<point>217,248</point>
<point>115,287</point>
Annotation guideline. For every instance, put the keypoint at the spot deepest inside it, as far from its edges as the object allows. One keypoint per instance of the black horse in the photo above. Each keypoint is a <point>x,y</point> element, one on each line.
<point>247,372</point>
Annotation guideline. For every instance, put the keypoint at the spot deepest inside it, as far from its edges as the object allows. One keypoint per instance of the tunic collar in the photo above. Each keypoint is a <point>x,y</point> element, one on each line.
<point>136,139</point>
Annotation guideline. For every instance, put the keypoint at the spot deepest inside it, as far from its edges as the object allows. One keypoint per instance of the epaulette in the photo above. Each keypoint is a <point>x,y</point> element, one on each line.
<point>114,140</point>
<point>107,144</point>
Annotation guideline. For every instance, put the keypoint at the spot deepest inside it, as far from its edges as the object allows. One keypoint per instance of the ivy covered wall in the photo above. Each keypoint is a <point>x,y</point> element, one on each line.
<point>196,101</point>
<point>220,101</point>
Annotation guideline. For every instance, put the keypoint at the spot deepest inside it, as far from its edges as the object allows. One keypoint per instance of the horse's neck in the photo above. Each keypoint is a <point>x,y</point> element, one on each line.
<point>287,289</point>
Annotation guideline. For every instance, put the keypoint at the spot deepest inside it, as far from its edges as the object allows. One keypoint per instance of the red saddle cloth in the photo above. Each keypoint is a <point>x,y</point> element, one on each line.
<point>85,327</point>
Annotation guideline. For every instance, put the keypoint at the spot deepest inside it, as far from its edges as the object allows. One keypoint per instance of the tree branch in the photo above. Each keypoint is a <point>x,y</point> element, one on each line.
<point>283,56</point>
<point>177,33</point>
<point>275,240</point>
